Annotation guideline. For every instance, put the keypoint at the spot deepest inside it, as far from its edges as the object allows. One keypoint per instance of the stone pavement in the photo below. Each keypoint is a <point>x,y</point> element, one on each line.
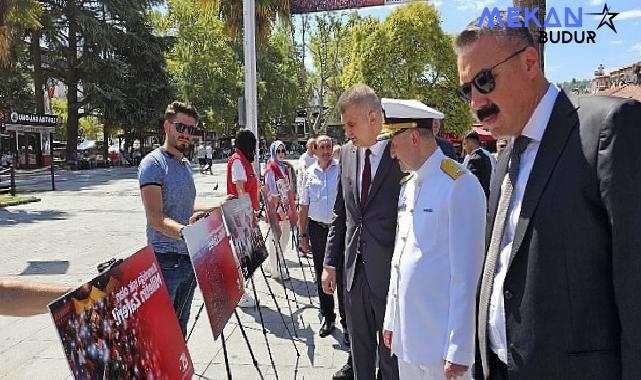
<point>97,214</point>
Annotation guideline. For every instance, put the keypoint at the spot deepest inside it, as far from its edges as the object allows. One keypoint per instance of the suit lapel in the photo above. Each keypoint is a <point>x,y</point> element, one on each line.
<point>381,172</point>
<point>563,120</point>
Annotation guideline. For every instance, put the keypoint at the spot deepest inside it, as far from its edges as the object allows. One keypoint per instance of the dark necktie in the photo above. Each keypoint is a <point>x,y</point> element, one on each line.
<point>489,270</point>
<point>366,180</point>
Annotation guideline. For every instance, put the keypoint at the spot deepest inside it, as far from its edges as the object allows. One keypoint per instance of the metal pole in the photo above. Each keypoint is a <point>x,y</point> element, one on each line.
<point>251,98</point>
<point>53,181</point>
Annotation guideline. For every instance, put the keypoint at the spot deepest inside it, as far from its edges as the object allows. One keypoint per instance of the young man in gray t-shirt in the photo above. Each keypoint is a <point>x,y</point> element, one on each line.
<point>168,194</point>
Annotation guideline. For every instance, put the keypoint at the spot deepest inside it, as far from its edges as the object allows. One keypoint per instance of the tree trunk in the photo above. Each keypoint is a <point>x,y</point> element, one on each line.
<point>38,80</point>
<point>72,84</point>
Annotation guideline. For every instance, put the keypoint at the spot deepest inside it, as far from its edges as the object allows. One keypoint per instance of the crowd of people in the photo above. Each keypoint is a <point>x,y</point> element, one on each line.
<point>520,265</point>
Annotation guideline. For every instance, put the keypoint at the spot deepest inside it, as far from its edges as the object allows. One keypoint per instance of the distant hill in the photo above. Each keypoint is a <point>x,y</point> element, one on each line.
<point>581,85</point>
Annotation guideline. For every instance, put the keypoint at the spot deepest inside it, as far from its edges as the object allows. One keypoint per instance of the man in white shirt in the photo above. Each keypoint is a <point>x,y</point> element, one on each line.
<point>429,319</point>
<point>209,158</point>
<point>315,215</point>
<point>304,161</point>
<point>202,159</point>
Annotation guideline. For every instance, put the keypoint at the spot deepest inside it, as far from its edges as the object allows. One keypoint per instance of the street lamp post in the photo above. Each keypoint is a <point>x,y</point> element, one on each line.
<point>251,107</point>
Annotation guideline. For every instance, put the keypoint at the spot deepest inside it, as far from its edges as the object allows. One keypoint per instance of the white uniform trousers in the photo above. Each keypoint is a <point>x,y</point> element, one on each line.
<point>274,258</point>
<point>409,371</point>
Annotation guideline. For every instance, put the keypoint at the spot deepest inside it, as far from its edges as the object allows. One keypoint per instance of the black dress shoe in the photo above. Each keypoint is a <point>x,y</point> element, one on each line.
<point>326,328</point>
<point>345,373</point>
<point>346,339</point>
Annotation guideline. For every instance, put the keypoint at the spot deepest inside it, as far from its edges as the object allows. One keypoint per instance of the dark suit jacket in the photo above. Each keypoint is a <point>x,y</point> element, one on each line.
<point>572,302</point>
<point>447,147</point>
<point>481,166</point>
<point>370,231</point>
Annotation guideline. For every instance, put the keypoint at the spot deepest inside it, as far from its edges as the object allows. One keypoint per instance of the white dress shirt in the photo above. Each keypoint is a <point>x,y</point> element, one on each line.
<point>534,129</point>
<point>375,157</point>
<point>319,191</point>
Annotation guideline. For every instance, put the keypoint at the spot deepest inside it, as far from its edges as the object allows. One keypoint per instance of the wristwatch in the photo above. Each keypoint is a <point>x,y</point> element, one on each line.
<point>182,237</point>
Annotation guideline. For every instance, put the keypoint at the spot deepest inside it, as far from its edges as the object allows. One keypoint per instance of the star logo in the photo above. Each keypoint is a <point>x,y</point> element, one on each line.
<point>607,17</point>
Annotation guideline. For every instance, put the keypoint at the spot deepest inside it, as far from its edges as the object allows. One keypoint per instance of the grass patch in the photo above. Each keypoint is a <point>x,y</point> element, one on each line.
<point>11,200</point>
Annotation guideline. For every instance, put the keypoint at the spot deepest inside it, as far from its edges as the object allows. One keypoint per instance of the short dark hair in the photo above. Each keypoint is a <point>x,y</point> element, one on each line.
<point>177,107</point>
<point>246,143</point>
<point>473,136</point>
<point>520,36</point>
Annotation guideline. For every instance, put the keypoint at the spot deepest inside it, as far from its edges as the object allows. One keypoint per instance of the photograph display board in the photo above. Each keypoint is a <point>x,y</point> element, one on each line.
<point>122,325</point>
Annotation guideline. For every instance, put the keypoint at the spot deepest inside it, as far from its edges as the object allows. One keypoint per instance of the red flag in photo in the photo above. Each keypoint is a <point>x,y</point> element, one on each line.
<point>122,325</point>
<point>217,269</point>
<point>288,202</point>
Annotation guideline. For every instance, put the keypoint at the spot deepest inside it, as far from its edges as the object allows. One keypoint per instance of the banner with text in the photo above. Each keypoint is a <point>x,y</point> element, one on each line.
<point>308,6</point>
<point>122,325</point>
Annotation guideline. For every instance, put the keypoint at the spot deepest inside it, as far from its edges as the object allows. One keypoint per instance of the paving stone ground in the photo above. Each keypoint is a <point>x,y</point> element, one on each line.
<point>97,214</point>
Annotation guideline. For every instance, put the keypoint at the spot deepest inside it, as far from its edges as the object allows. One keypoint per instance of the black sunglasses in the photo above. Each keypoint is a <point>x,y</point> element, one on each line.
<point>484,81</point>
<point>180,128</point>
<point>280,150</point>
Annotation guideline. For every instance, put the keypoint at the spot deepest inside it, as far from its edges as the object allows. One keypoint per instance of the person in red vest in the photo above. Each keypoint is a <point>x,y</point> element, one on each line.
<point>275,171</point>
<point>241,179</point>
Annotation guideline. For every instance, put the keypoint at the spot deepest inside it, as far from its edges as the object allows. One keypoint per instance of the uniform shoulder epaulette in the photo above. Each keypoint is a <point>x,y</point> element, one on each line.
<point>449,167</point>
<point>405,179</point>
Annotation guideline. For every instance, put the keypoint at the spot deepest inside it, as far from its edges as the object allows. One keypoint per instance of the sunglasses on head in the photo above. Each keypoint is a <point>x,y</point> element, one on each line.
<point>180,128</point>
<point>484,80</point>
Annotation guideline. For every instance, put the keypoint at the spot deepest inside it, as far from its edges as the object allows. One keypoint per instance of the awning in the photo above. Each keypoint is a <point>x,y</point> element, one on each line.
<point>484,134</point>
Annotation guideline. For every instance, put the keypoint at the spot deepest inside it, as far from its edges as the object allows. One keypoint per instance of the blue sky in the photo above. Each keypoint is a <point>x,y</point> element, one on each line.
<point>563,61</point>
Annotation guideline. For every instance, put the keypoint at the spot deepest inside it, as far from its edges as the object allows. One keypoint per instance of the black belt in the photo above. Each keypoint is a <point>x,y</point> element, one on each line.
<point>324,225</point>
<point>174,256</point>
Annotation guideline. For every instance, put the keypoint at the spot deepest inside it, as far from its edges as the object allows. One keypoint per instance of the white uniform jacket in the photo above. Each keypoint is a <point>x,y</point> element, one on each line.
<point>438,257</point>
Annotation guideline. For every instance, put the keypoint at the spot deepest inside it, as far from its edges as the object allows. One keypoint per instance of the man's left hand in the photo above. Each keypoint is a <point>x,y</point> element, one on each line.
<point>452,371</point>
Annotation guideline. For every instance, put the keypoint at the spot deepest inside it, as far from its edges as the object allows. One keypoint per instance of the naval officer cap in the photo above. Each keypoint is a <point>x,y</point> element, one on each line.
<point>402,114</point>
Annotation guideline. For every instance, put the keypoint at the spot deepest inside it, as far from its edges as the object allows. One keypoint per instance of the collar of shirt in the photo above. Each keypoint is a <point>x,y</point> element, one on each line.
<point>377,149</point>
<point>535,127</point>
<point>431,165</point>
<point>316,166</point>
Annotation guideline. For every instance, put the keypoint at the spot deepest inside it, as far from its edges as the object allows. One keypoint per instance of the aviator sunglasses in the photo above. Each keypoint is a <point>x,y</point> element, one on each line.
<point>484,81</point>
<point>180,128</point>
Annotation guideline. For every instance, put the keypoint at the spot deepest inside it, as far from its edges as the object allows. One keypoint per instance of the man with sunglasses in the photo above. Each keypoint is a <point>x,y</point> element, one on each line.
<point>168,194</point>
<point>558,297</point>
<point>429,318</point>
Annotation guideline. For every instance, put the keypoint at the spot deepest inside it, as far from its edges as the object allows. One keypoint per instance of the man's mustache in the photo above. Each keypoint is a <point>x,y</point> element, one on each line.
<point>486,112</point>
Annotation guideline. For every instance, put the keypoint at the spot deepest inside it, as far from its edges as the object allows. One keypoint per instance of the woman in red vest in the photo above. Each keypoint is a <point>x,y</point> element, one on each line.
<point>241,179</point>
<point>275,171</point>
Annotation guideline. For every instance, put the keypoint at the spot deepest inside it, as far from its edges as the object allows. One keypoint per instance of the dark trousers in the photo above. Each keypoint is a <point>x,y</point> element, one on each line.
<point>498,369</point>
<point>181,282</point>
<point>318,239</point>
<point>366,313</point>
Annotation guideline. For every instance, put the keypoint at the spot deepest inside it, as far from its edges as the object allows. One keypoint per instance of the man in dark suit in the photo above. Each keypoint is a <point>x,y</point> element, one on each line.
<point>559,296</point>
<point>477,161</point>
<point>364,222</point>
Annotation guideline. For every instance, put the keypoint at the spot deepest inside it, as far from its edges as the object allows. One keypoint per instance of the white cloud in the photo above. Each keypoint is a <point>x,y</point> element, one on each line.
<point>437,3</point>
<point>636,47</point>
<point>616,42</point>
<point>626,15</point>
<point>596,2</point>
<point>465,5</point>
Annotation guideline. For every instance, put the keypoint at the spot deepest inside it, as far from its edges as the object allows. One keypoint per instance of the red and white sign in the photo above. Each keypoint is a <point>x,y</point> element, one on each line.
<point>122,325</point>
<point>217,269</point>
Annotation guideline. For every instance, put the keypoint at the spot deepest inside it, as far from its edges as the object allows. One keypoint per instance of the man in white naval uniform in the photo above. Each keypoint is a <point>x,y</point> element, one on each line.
<point>438,255</point>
